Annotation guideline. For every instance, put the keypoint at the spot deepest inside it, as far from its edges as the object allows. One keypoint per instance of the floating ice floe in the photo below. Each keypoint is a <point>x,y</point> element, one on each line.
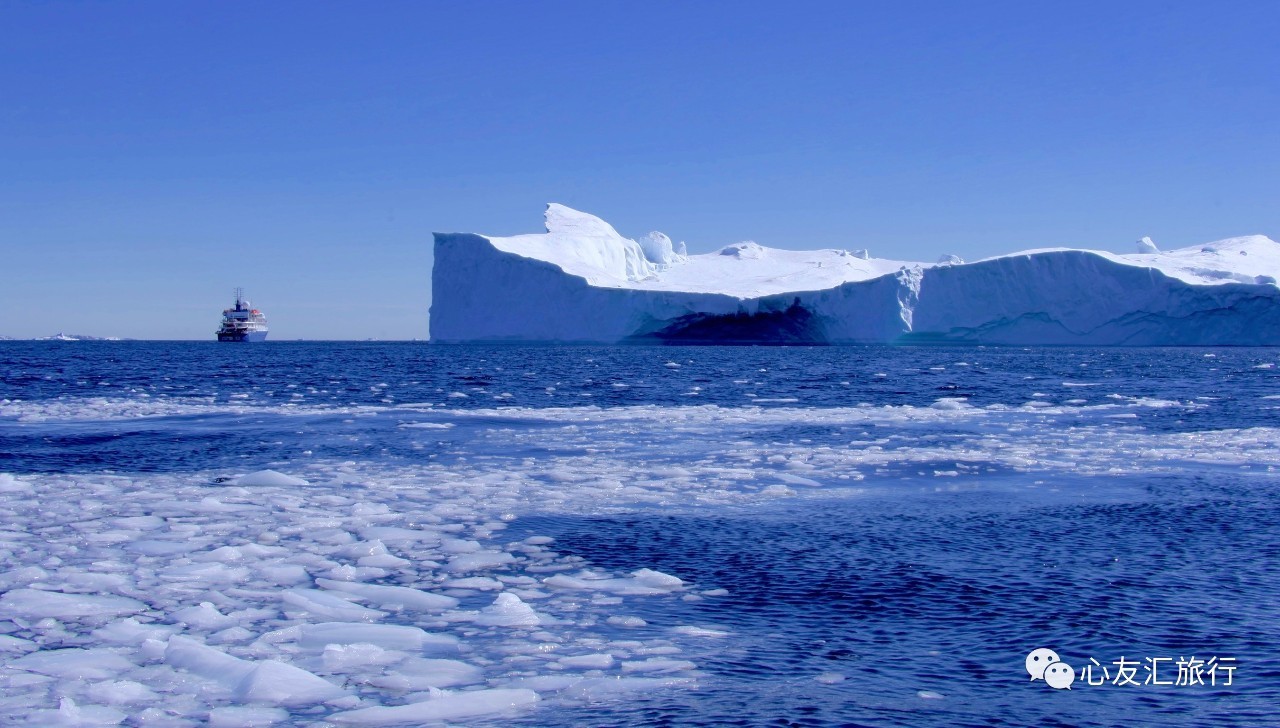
<point>74,663</point>
<point>38,603</point>
<point>392,597</point>
<point>508,610</point>
<point>642,581</point>
<point>252,681</point>
<point>423,673</point>
<point>454,706</point>
<point>268,478</point>
<point>389,636</point>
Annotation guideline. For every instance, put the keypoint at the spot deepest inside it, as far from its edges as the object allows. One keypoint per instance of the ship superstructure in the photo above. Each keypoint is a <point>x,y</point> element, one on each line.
<point>242,322</point>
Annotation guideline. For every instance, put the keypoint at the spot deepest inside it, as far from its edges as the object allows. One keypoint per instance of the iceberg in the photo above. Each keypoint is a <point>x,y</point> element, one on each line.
<point>581,281</point>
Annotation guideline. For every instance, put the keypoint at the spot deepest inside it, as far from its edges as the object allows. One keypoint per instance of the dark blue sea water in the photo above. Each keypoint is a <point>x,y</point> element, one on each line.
<point>877,535</point>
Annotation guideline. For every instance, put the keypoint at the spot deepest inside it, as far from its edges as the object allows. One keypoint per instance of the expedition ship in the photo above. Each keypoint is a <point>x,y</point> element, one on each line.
<point>242,323</point>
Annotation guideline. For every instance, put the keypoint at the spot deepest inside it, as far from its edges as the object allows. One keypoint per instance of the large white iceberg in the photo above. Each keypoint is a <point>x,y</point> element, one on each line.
<point>581,281</point>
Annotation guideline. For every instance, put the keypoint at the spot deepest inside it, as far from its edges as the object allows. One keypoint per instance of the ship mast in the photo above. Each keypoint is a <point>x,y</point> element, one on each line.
<point>239,299</point>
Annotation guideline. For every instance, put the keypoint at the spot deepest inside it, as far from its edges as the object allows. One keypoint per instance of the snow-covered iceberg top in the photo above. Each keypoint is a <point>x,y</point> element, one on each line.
<point>1247,259</point>
<point>583,281</point>
<point>582,244</point>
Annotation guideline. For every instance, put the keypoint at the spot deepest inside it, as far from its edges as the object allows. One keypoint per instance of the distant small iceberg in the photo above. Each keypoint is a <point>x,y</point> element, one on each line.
<point>76,337</point>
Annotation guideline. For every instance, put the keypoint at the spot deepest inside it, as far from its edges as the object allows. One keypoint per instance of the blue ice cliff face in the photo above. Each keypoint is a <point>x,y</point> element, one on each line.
<point>583,282</point>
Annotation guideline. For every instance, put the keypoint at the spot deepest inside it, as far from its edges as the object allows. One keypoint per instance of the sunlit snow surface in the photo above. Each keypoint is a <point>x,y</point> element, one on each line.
<point>320,534</point>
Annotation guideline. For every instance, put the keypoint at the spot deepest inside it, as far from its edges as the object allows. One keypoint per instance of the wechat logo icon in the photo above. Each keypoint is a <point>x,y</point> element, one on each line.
<point>1044,664</point>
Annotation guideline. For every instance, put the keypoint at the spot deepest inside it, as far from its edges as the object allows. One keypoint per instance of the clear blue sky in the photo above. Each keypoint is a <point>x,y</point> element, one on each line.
<point>155,154</point>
